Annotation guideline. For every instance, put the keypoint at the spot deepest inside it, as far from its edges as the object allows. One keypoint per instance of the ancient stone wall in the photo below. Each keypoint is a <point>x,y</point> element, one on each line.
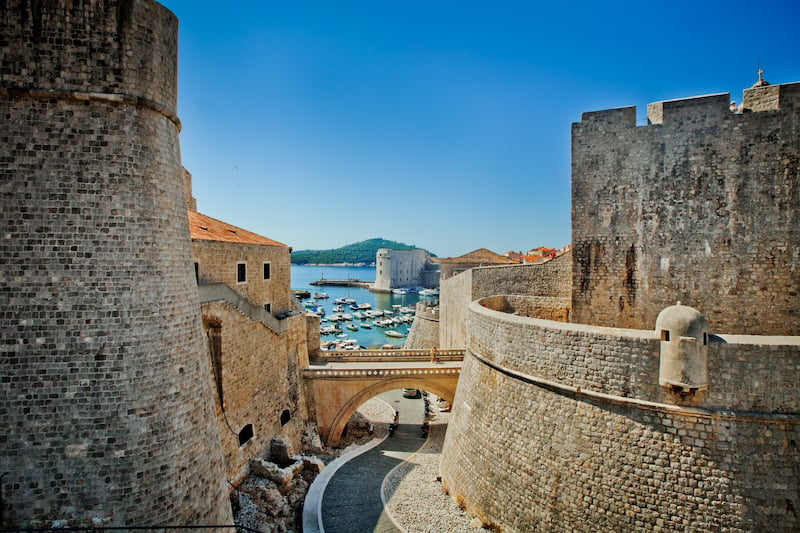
<point>256,376</point>
<point>563,427</point>
<point>546,279</point>
<point>424,333</point>
<point>699,206</point>
<point>455,294</point>
<point>217,263</point>
<point>105,400</point>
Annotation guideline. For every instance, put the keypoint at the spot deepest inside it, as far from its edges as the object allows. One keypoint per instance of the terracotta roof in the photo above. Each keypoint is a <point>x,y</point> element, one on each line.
<point>205,228</point>
<point>482,255</point>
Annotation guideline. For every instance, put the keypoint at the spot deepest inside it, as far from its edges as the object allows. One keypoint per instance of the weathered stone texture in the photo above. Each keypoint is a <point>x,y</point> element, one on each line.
<point>104,397</point>
<point>550,279</point>
<point>699,206</point>
<point>530,452</point>
<point>257,382</point>
<point>122,47</point>
<point>254,360</point>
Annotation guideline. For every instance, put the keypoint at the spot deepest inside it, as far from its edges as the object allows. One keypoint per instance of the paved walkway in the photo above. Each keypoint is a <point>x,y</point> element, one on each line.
<point>352,502</point>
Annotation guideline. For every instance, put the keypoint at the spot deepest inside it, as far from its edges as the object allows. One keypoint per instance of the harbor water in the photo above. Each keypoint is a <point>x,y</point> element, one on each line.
<point>303,275</point>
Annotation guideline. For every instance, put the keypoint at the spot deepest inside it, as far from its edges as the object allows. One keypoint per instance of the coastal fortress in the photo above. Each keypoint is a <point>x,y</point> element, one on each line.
<point>651,384</point>
<point>645,381</point>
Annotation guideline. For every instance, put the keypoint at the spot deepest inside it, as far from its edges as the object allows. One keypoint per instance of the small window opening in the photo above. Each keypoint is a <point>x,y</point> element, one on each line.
<point>285,417</point>
<point>266,270</point>
<point>268,308</point>
<point>245,434</point>
<point>241,272</point>
<point>705,339</point>
<point>665,335</point>
<point>197,272</point>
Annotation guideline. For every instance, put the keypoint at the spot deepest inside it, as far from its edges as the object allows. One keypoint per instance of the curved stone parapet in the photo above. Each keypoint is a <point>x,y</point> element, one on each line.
<point>424,333</point>
<point>564,427</point>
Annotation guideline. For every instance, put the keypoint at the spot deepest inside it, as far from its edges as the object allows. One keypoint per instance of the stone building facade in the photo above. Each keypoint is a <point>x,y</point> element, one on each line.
<point>105,402</point>
<point>570,424</point>
<point>256,337</point>
<point>450,266</point>
<point>404,268</point>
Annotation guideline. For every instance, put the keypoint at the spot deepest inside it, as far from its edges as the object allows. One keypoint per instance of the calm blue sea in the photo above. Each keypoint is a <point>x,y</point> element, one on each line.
<point>302,276</point>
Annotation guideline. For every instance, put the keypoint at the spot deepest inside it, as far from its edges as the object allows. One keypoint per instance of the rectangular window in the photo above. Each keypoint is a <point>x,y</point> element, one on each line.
<point>245,434</point>
<point>197,273</point>
<point>268,308</point>
<point>266,270</point>
<point>241,272</point>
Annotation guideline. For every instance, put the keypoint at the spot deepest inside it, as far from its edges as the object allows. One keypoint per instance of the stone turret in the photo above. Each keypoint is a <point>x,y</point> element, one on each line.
<point>684,348</point>
<point>105,399</point>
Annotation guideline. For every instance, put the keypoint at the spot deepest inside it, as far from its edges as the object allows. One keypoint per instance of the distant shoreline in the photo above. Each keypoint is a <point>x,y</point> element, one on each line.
<point>360,265</point>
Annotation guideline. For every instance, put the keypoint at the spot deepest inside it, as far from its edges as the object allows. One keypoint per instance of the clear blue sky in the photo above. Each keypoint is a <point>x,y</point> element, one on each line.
<point>441,124</point>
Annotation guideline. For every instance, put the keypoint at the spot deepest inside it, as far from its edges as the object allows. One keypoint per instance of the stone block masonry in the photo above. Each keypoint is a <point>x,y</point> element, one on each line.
<point>700,206</point>
<point>550,279</point>
<point>563,427</point>
<point>603,423</point>
<point>105,399</point>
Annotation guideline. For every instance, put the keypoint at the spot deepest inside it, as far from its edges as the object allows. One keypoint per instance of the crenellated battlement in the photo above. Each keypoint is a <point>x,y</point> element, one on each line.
<point>697,110</point>
<point>621,117</point>
<point>706,108</point>
<point>772,97</point>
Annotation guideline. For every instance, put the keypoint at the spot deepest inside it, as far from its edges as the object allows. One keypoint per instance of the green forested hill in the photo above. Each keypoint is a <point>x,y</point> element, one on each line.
<point>360,252</point>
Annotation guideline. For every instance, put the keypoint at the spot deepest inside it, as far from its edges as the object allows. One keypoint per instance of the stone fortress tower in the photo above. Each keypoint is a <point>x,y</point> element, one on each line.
<point>634,412</point>
<point>403,268</point>
<point>700,205</point>
<point>105,398</point>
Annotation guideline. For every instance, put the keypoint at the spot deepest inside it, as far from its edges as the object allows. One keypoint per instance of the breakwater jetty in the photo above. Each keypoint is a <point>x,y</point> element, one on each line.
<point>342,283</point>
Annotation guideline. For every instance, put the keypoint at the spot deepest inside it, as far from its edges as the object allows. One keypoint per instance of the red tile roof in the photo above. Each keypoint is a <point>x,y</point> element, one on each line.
<point>481,255</point>
<point>205,228</point>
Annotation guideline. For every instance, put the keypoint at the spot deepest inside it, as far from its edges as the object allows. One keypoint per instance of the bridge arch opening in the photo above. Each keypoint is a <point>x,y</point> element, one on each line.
<point>333,438</point>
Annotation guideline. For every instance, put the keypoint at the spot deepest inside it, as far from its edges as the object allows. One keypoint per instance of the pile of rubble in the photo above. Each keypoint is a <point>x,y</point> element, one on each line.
<point>271,498</point>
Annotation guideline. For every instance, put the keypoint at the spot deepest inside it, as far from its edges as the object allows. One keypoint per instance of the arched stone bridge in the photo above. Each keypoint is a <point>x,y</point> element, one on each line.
<point>341,381</point>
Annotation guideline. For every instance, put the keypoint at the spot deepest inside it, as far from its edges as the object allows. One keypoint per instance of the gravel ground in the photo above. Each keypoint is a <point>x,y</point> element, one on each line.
<point>415,499</point>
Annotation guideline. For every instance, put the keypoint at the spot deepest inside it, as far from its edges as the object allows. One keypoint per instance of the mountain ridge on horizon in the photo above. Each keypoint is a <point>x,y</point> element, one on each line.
<point>358,252</point>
